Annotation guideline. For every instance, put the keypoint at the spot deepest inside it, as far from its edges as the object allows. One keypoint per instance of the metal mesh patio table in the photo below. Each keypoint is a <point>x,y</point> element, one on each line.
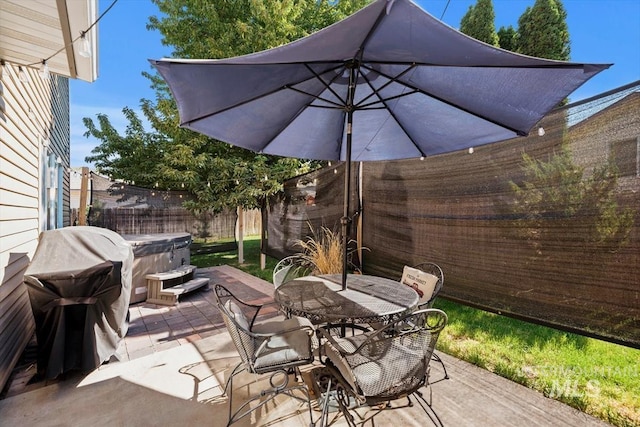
<point>367,299</point>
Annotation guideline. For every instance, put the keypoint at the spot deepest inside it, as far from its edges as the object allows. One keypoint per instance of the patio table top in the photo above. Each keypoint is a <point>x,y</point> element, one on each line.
<point>367,299</point>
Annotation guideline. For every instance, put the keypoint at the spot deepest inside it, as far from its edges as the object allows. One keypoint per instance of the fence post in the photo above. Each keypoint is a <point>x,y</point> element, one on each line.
<point>84,184</point>
<point>240,235</point>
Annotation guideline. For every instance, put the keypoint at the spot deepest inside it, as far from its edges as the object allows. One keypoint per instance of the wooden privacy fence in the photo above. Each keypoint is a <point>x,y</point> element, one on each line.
<point>153,220</point>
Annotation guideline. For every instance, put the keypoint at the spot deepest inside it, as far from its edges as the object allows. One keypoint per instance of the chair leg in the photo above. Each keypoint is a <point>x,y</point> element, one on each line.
<point>435,357</point>
<point>426,406</point>
<point>233,373</point>
<point>270,394</point>
<point>342,397</point>
<point>324,416</point>
<point>228,387</point>
<point>381,406</point>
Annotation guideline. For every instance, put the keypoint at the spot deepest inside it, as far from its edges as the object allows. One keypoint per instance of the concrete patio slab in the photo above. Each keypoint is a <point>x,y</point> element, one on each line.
<point>176,360</point>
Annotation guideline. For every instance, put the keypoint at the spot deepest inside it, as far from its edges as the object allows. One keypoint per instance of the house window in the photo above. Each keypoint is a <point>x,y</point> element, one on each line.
<point>51,194</point>
<point>626,156</point>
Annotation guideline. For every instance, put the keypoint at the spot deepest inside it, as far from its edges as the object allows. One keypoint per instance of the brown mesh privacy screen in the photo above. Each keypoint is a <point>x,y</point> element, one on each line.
<point>309,202</point>
<point>544,228</point>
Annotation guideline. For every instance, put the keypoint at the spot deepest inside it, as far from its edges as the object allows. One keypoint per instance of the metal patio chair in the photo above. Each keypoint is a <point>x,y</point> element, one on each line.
<point>289,268</point>
<point>427,295</point>
<point>277,347</point>
<point>381,366</point>
<point>426,301</point>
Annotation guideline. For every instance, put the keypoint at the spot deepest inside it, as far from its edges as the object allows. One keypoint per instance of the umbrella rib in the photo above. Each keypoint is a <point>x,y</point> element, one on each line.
<point>384,101</point>
<point>376,91</point>
<point>230,107</point>
<point>327,85</point>
<point>328,101</point>
<point>458,107</point>
<point>337,105</point>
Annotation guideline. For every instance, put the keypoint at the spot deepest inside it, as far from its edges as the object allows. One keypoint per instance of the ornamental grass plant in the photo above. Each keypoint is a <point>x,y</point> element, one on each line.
<point>322,250</point>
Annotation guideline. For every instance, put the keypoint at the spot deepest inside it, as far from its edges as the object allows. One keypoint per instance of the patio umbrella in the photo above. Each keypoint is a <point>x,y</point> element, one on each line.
<point>388,82</point>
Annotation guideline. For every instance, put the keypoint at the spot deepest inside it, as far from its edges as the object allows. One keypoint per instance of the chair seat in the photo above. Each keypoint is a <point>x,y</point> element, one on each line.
<point>279,323</point>
<point>285,348</point>
<point>381,366</point>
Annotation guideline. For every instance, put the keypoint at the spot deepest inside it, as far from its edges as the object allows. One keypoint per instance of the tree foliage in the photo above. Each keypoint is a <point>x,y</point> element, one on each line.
<point>558,194</point>
<point>478,22</point>
<point>507,38</point>
<point>543,31</point>
<point>170,157</point>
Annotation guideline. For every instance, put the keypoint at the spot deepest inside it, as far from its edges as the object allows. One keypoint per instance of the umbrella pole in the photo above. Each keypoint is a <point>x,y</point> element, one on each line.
<point>347,173</point>
<point>347,190</point>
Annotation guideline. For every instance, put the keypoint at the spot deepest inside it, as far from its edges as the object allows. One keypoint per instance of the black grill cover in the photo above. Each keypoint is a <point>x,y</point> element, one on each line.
<point>79,284</point>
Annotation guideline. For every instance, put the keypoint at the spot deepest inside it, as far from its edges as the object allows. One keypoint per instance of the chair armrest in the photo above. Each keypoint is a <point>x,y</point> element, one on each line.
<point>255,315</point>
<point>324,333</point>
<point>401,326</point>
<point>310,331</point>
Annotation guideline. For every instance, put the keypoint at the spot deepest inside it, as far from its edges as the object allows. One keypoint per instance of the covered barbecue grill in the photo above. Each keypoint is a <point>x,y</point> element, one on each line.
<point>79,284</point>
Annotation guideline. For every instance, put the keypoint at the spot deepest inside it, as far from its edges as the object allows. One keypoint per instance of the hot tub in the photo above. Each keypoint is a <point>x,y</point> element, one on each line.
<point>155,253</point>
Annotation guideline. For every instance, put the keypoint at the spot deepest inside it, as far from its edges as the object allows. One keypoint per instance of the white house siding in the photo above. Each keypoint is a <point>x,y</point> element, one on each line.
<point>34,129</point>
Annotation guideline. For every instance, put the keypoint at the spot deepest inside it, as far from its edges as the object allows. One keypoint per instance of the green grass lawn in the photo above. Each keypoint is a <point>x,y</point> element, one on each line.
<point>597,377</point>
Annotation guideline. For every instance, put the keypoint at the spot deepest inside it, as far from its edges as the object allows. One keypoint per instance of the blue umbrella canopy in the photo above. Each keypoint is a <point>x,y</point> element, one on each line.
<point>419,88</point>
<point>388,82</point>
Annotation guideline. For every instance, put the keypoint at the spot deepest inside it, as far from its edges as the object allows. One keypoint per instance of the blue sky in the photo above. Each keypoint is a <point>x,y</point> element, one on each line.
<point>601,32</point>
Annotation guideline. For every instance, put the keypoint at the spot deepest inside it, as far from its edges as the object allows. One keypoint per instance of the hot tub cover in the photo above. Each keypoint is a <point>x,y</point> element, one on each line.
<point>148,244</point>
<point>79,284</point>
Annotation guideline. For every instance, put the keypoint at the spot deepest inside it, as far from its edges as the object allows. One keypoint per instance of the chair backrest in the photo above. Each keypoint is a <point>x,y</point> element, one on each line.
<point>290,268</point>
<point>427,279</point>
<point>236,315</point>
<point>394,361</point>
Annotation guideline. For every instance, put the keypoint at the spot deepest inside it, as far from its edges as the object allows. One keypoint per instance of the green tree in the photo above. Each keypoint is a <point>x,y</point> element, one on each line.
<point>507,38</point>
<point>215,173</point>
<point>558,194</point>
<point>131,157</point>
<point>543,31</point>
<point>478,22</point>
